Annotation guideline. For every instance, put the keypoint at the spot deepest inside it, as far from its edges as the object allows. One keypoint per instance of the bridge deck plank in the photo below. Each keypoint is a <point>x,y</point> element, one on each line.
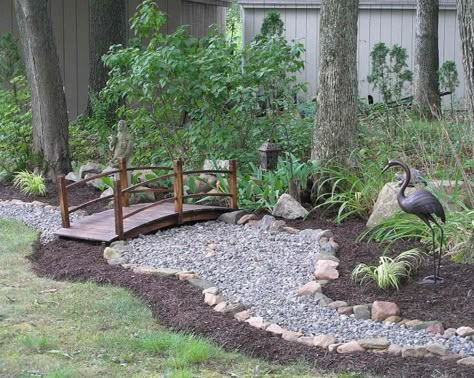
<point>101,227</point>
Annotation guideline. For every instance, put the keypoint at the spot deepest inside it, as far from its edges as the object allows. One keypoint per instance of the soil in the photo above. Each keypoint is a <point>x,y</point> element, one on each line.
<point>76,196</point>
<point>180,307</point>
<point>451,302</point>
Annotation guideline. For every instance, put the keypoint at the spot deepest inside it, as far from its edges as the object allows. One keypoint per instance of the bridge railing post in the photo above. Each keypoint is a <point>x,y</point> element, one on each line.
<point>234,204</point>
<point>124,180</point>
<point>118,210</point>
<point>178,189</point>
<point>63,202</point>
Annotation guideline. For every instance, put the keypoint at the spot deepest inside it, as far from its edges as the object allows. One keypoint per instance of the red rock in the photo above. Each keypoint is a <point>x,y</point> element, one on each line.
<point>323,341</point>
<point>242,315</point>
<point>436,328</point>
<point>326,270</point>
<point>345,310</point>
<point>382,310</point>
<point>213,299</point>
<point>350,347</point>
<point>309,288</point>
<point>256,321</point>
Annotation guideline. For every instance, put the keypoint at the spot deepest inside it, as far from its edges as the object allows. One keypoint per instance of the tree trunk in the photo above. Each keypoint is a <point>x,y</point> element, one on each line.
<point>465,10</point>
<point>427,97</point>
<point>335,129</point>
<point>48,102</point>
<point>107,27</point>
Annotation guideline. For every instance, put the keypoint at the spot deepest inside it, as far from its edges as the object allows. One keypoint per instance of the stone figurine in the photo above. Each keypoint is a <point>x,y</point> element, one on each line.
<point>121,144</point>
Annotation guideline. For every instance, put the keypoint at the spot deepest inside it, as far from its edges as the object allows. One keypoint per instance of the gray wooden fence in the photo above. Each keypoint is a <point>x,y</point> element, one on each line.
<point>70,20</point>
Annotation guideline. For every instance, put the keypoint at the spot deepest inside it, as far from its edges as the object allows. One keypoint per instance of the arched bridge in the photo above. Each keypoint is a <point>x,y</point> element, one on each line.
<point>128,221</point>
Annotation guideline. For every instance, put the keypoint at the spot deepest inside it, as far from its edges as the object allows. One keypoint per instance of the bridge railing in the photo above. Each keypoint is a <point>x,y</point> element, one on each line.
<point>122,191</point>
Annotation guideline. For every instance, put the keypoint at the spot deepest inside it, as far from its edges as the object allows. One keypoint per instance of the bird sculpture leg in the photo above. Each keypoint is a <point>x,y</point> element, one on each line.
<point>431,218</point>
<point>435,277</point>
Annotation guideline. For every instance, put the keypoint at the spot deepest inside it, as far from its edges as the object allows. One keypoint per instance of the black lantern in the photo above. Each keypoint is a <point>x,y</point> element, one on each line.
<point>269,152</point>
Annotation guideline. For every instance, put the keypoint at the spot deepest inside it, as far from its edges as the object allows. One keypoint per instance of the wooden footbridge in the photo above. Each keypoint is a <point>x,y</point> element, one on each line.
<point>128,221</point>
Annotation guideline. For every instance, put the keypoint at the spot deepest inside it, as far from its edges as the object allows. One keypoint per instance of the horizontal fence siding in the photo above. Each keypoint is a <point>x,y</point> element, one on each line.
<point>391,26</point>
<point>70,22</point>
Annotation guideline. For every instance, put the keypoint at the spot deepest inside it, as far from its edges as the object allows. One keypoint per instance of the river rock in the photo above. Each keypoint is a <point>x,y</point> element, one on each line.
<point>361,312</point>
<point>374,343</point>
<point>326,270</point>
<point>323,341</point>
<point>232,217</point>
<point>382,310</point>
<point>309,288</point>
<point>350,347</point>
<point>465,331</point>
<point>287,207</point>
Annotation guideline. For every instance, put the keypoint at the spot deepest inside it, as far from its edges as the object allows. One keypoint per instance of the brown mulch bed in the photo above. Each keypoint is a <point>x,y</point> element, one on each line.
<point>451,302</point>
<point>180,306</point>
<point>76,196</point>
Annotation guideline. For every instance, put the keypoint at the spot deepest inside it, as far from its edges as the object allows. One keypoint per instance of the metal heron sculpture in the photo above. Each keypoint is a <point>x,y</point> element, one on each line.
<point>424,205</point>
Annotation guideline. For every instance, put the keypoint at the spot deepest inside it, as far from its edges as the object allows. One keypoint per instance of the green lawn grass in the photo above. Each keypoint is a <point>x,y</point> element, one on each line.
<point>61,329</point>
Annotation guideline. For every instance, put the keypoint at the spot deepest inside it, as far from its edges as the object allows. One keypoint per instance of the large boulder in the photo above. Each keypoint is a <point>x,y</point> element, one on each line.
<point>387,203</point>
<point>287,207</point>
<point>89,168</point>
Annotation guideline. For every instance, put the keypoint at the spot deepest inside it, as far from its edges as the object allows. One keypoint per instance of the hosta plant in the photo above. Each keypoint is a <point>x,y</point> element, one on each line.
<point>391,271</point>
<point>30,183</point>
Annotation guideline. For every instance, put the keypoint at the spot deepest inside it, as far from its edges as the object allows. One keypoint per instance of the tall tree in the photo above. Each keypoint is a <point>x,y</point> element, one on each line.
<point>107,27</point>
<point>427,58</point>
<point>465,10</point>
<point>335,129</point>
<point>48,102</point>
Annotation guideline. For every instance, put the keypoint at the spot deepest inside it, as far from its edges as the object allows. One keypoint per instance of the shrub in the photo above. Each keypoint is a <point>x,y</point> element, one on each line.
<point>200,98</point>
<point>389,71</point>
<point>390,271</point>
<point>30,183</point>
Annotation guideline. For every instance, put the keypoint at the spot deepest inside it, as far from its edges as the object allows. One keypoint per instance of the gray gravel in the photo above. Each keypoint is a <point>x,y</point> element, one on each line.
<point>45,219</point>
<point>263,271</point>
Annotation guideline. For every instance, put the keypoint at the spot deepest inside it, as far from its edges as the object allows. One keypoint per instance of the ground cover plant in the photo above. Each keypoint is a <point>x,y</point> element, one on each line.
<point>59,329</point>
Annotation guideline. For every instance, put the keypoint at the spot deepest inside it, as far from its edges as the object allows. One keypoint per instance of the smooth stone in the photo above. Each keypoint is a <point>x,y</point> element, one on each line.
<point>416,351</point>
<point>289,208</point>
<point>220,307</point>
<point>246,218</point>
<point>275,329</point>
<point>242,315</point>
<point>333,347</point>
<point>200,283</point>
<point>374,343</point>
<point>394,350</point>
<point>309,288</point>
<point>291,335</point>
<point>436,328</point>
<point>465,331</point>
<point>232,217</point>
<point>336,304</point>
<point>310,234</point>
<point>277,226</point>
<point>466,361</point>
<point>306,340</point>
<point>450,332</point>
<point>350,347</point>
<point>291,230</point>
<point>112,253</point>
<point>256,322</point>
<point>213,299</point>
<point>233,308</point>
<point>326,270</point>
<point>322,299</point>
<point>211,290</point>
<point>345,310</point>
<point>325,256</point>
<point>265,223</point>
<point>393,319</point>
<point>323,341</point>
<point>381,310</point>
<point>437,349</point>
<point>361,312</point>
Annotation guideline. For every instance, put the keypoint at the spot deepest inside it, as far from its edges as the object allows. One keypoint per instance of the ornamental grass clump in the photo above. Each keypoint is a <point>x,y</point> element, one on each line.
<point>391,271</point>
<point>30,183</point>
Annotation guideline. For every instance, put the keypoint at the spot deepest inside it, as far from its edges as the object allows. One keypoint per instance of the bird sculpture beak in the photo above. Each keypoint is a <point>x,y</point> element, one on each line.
<point>386,167</point>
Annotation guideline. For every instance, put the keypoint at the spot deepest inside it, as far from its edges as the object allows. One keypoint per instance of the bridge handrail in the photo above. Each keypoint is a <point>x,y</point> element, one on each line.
<point>122,191</point>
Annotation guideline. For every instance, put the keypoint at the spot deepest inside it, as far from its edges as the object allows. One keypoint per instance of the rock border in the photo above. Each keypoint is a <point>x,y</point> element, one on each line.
<point>379,311</point>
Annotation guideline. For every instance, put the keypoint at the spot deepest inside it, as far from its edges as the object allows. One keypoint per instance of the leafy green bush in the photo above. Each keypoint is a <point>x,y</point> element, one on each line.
<point>200,98</point>
<point>30,183</point>
<point>389,71</point>
<point>15,127</point>
<point>390,271</point>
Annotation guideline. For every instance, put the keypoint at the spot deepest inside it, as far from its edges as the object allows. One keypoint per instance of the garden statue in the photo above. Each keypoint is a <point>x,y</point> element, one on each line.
<point>121,145</point>
<point>424,205</point>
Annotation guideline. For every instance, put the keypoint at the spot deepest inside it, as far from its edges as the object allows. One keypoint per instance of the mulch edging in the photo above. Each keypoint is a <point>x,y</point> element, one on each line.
<point>179,306</point>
